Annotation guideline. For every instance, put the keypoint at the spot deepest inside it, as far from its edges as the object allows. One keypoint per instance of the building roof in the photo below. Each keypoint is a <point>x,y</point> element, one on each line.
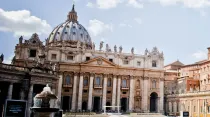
<point>176,63</point>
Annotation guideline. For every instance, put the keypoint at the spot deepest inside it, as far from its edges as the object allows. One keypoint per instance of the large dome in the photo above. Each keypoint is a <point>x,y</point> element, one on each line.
<point>70,30</point>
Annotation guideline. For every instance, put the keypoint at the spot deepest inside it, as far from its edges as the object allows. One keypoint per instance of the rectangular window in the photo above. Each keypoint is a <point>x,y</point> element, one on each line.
<point>70,58</point>
<point>124,92</point>
<point>138,63</point>
<point>32,53</point>
<point>194,109</point>
<point>108,92</point>
<point>85,91</point>
<point>87,58</point>
<point>154,64</point>
<point>126,62</point>
<point>53,56</point>
<point>66,90</point>
<point>111,60</point>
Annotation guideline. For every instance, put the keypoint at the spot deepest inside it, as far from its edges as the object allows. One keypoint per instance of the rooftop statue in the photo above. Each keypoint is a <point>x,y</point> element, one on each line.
<point>132,50</point>
<point>1,58</point>
<point>115,48</point>
<point>120,49</point>
<point>101,45</point>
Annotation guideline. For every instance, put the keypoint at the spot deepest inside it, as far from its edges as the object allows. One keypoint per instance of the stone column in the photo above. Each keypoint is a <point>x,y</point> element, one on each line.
<point>9,96</point>
<point>161,96</point>
<point>198,107</point>
<point>74,96</point>
<point>60,82</point>
<point>30,98</point>
<point>145,95</point>
<point>22,94</point>
<point>114,92</point>
<point>118,91</point>
<point>190,111</point>
<point>131,96</point>
<point>79,107</point>
<point>104,92</point>
<point>90,95</point>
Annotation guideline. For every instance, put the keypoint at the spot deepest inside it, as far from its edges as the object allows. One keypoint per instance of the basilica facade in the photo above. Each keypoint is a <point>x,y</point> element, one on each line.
<point>91,78</point>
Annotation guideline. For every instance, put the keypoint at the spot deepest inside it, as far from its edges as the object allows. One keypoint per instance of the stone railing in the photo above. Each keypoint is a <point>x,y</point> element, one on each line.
<point>124,87</point>
<point>97,86</point>
<point>190,94</point>
<point>67,85</point>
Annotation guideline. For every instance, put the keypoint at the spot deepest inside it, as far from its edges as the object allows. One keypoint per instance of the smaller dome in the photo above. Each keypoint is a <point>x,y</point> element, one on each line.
<point>70,30</point>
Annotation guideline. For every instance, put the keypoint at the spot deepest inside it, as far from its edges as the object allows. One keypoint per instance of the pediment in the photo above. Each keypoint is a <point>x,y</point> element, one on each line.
<point>99,61</point>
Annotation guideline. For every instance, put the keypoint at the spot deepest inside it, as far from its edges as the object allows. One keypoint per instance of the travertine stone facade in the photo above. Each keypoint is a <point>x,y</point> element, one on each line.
<point>91,78</point>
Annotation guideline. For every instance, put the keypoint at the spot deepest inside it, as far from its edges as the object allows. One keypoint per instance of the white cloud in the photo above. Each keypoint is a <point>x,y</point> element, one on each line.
<point>125,25</point>
<point>90,4</point>
<point>186,3</point>
<point>97,27</point>
<point>200,55</point>
<point>138,20</point>
<point>135,3</point>
<point>22,23</point>
<point>107,4</point>
<point>8,60</point>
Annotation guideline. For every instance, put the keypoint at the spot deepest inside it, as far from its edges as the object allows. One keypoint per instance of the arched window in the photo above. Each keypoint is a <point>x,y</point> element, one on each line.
<point>154,64</point>
<point>124,83</point>
<point>85,82</point>
<point>98,80</point>
<point>153,84</point>
<point>109,82</point>
<point>68,80</point>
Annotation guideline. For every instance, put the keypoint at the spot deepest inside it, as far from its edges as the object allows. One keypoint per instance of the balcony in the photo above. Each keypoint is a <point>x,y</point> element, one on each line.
<point>97,86</point>
<point>67,85</point>
<point>124,87</point>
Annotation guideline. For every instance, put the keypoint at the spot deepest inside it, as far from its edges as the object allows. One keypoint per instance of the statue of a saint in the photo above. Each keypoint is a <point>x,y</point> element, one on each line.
<point>115,48</point>
<point>1,58</point>
<point>107,47</point>
<point>132,50</point>
<point>21,40</point>
<point>101,45</point>
<point>146,52</point>
<point>93,45</point>
<point>120,49</point>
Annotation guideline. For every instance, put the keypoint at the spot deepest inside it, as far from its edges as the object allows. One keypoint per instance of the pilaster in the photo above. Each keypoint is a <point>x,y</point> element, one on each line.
<point>131,94</point>
<point>74,96</point>
<point>104,91</point>
<point>90,95</point>
<point>9,96</point>
<point>114,92</point>
<point>80,92</point>
<point>118,90</point>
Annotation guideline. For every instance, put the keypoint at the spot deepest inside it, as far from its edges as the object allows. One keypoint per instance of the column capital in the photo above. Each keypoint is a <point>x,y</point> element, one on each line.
<point>81,73</point>
<point>92,74</point>
<point>146,78</point>
<point>75,73</point>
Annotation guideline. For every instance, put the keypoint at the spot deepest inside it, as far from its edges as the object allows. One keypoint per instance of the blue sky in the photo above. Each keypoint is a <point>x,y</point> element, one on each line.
<point>179,28</point>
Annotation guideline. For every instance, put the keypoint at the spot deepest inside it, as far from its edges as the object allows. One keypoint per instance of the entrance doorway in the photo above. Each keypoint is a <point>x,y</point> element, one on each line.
<point>108,104</point>
<point>96,106</point>
<point>84,105</point>
<point>153,102</point>
<point>3,94</point>
<point>124,104</point>
<point>66,106</point>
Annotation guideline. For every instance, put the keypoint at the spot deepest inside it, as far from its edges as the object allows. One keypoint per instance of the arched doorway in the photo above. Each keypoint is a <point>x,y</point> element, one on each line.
<point>84,105</point>
<point>153,102</point>
<point>108,104</point>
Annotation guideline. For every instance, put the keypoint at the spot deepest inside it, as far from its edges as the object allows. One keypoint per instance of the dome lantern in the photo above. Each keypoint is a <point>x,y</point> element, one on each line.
<point>72,16</point>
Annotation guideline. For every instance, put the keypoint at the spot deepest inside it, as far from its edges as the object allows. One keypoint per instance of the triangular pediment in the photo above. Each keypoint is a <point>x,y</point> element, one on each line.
<point>99,61</point>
